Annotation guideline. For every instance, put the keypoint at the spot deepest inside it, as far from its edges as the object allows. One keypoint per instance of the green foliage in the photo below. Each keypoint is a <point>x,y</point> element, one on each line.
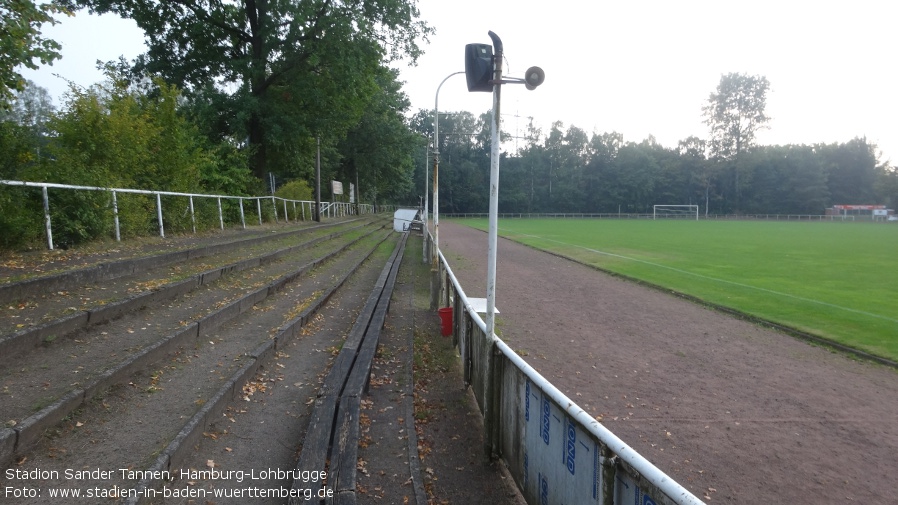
<point>226,172</point>
<point>21,217</point>
<point>300,70</point>
<point>16,149</point>
<point>22,129</point>
<point>735,113</point>
<point>21,42</point>
<point>295,190</point>
<point>566,170</point>
<point>116,134</point>
<point>887,186</point>
<point>379,150</point>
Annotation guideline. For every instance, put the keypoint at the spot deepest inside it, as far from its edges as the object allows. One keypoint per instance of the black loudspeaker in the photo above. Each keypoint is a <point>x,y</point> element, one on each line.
<point>479,67</point>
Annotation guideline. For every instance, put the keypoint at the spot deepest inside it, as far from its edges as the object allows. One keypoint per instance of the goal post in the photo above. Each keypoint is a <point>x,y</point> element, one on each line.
<point>675,212</point>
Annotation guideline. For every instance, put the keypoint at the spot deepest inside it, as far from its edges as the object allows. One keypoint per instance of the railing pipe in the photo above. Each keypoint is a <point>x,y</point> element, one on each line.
<point>159,214</point>
<point>193,216</point>
<point>220,215</point>
<point>47,223</point>
<point>118,234</point>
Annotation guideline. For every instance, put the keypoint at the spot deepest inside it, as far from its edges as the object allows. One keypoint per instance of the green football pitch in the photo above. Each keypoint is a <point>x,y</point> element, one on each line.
<point>834,280</point>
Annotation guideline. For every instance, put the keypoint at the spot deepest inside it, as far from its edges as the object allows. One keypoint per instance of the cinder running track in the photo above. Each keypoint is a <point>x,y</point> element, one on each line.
<point>733,411</point>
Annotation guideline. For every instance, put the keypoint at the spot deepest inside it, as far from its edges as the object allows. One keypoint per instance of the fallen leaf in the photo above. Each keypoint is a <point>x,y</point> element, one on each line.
<point>210,463</point>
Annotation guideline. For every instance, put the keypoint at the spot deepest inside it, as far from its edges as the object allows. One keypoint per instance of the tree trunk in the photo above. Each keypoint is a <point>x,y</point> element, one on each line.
<point>257,15</point>
<point>258,159</point>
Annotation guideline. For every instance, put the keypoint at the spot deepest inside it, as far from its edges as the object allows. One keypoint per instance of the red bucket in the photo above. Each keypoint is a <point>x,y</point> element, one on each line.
<point>446,321</point>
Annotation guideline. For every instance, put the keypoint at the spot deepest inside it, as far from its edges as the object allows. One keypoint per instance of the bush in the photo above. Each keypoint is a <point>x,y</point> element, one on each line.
<point>21,219</point>
<point>295,190</point>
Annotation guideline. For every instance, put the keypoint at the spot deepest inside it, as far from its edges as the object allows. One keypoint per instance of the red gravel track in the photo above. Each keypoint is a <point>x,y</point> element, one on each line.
<point>733,411</point>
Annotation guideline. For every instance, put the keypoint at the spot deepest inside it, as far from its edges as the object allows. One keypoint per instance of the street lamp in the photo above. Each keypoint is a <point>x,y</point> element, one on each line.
<point>434,266</point>
<point>424,250</point>
<point>436,169</point>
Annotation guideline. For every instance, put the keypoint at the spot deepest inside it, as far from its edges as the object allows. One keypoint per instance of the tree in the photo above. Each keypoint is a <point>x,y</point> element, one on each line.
<point>788,179</point>
<point>26,120</point>
<point>32,108</point>
<point>378,152</point>
<point>300,68</point>
<point>735,113</point>
<point>572,160</point>
<point>21,42</point>
<point>552,145</point>
<point>114,135</point>
<point>887,185</point>
<point>852,171</point>
<point>693,159</point>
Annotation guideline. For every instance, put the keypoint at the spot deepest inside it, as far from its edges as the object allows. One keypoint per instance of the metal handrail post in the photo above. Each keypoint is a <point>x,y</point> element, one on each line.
<point>159,214</point>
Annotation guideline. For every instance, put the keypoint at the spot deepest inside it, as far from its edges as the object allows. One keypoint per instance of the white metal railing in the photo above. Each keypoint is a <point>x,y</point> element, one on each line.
<point>556,451</point>
<point>330,209</point>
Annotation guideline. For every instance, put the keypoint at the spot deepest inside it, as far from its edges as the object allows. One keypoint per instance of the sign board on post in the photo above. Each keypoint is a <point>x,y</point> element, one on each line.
<point>336,187</point>
<point>351,193</point>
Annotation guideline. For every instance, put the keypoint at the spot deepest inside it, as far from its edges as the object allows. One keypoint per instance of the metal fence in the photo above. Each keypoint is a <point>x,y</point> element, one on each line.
<point>625,215</point>
<point>556,451</point>
<point>328,209</point>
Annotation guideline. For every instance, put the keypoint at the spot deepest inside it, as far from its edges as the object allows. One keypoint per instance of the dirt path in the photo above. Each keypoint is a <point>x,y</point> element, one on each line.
<point>734,412</point>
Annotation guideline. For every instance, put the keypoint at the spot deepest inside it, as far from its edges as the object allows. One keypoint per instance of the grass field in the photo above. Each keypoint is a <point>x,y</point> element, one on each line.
<point>835,280</point>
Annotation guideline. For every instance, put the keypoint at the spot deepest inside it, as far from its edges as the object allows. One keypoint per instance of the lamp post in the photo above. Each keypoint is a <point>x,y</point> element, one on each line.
<point>426,202</point>
<point>436,169</point>
<point>434,265</point>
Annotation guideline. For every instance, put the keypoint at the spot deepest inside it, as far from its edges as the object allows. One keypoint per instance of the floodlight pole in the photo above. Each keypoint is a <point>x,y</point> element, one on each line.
<point>494,189</point>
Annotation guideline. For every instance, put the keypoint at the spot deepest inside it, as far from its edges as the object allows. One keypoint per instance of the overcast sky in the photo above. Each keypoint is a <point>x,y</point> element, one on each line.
<point>636,67</point>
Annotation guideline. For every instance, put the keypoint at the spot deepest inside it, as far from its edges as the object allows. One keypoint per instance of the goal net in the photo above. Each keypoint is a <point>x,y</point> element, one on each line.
<point>675,212</point>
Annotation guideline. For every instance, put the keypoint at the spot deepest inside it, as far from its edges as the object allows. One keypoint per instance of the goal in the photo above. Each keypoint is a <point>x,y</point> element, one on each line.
<point>675,212</point>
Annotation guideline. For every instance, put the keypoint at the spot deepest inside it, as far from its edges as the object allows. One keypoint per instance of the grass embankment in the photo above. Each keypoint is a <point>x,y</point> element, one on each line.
<point>835,280</point>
